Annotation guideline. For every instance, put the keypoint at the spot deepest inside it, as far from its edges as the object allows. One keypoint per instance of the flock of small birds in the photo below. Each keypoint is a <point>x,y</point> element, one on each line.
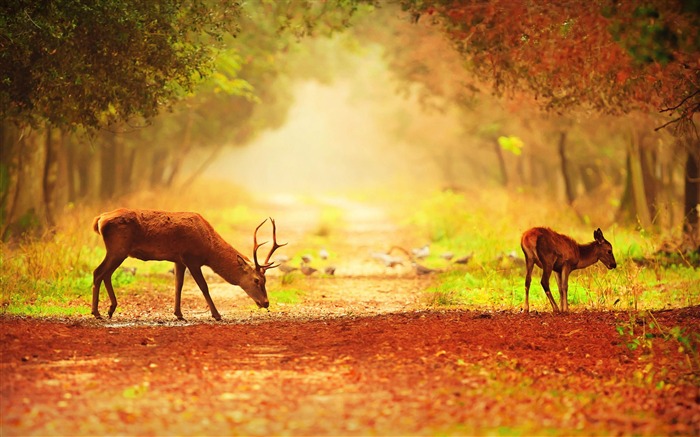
<point>415,254</point>
<point>389,259</point>
<point>305,265</point>
<point>396,256</point>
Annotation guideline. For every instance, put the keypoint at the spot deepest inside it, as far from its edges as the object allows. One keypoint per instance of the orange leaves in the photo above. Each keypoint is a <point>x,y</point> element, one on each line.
<point>622,76</point>
<point>574,48</point>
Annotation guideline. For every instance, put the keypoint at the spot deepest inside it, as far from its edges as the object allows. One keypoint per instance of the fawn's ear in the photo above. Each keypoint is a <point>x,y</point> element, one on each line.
<point>598,235</point>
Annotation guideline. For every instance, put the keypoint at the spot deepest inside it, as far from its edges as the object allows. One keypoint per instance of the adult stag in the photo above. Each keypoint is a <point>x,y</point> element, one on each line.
<point>558,253</point>
<point>186,239</point>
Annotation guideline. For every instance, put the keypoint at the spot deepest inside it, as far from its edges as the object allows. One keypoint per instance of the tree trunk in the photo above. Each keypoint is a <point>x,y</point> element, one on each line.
<point>108,167</point>
<point>691,209</point>
<point>203,166</point>
<point>501,163</point>
<point>27,213</point>
<point>157,169</point>
<point>591,177</point>
<point>568,185</point>
<point>49,176</point>
<point>85,172</point>
<point>637,181</point>
<point>647,159</point>
<point>10,163</point>
<point>626,209</point>
<point>185,147</point>
<point>55,177</point>
<point>71,168</point>
<point>128,160</point>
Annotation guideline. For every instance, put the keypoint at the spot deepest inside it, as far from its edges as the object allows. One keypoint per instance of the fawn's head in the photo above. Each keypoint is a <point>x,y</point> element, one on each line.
<point>253,281</point>
<point>604,250</point>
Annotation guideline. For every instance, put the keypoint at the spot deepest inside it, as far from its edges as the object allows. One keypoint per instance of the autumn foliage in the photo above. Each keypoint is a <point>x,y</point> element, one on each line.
<point>602,55</point>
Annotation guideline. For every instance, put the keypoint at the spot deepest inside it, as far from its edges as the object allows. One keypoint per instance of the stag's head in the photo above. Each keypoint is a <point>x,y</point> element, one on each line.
<point>604,250</point>
<point>253,282</point>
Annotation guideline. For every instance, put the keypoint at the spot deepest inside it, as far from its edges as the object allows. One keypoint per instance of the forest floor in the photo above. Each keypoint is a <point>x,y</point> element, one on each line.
<point>358,355</point>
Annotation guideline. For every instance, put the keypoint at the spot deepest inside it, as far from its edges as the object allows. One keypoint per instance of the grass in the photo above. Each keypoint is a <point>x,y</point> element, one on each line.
<point>289,296</point>
<point>494,278</point>
<point>52,275</point>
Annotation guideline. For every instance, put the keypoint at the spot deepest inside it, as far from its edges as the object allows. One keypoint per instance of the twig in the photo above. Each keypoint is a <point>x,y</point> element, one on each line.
<point>675,120</point>
<point>30,19</point>
<point>673,108</point>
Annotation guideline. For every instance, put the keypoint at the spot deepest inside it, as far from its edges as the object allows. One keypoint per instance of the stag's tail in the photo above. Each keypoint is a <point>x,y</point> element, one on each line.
<point>96,224</point>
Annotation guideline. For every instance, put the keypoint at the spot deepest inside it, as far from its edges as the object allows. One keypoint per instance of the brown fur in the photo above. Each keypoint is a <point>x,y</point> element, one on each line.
<point>186,239</point>
<point>561,254</point>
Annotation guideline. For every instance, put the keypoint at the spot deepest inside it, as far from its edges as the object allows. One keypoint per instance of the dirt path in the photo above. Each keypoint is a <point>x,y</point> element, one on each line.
<point>358,357</point>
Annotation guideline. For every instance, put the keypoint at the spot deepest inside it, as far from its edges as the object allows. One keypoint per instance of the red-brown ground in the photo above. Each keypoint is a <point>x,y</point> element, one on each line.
<point>456,372</point>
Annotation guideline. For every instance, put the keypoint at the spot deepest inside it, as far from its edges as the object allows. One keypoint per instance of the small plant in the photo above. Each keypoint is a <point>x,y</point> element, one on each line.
<point>634,339</point>
<point>441,297</point>
<point>639,334</point>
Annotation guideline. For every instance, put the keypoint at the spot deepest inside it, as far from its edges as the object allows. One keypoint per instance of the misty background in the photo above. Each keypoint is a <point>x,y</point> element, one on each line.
<point>310,99</point>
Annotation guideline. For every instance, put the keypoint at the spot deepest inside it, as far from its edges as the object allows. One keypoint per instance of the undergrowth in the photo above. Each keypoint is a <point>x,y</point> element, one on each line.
<point>51,275</point>
<point>488,225</point>
<point>642,333</point>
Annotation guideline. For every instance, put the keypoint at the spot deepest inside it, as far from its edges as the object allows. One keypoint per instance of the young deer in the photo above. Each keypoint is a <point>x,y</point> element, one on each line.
<point>553,252</point>
<point>184,238</point>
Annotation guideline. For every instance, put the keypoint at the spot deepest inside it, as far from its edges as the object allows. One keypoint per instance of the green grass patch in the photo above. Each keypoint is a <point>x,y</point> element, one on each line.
<point>289,296</point>
<point>489,226</point>
<point>478,287</point>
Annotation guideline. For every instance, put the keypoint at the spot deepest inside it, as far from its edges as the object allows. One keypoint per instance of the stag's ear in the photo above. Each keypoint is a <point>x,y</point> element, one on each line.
<point>242,261</point>
<point>598,235</point>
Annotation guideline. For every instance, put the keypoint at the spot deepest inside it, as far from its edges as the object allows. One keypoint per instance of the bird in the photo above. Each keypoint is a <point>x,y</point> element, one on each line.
<point>307,269</point>
<point>280,259</point>
<point>129,270</point>
<point>515,259</point>
<point>330,270</point>
<point>421,252</point>
<point>464,259</point>
<point>388,260</point>
<point>286,268</point>
<point>422,270</point>
<point>306,258</point>
<point>323,254</point>
<point>447,255</point>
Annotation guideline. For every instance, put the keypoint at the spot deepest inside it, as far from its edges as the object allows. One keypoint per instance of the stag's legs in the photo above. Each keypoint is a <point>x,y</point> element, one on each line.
<point>546,273</point>
<point>564,289</point>
<point>103,273</point>
<point>561,290</point>
<point>529,265</point>
<point>179,280</point>
<point>199,279</point>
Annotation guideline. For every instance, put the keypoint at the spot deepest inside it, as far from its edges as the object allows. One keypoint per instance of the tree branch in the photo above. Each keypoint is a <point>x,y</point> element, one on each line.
<point>673,108</point>
<point>675,120</point>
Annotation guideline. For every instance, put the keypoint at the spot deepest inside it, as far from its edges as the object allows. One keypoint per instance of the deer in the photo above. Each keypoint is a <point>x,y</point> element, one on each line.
<point>561,254</point>
<point>186,239</point>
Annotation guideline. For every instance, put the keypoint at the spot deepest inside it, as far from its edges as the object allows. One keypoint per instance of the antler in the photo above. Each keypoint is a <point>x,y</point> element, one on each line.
<point>267,265</point>
<point>275,246</point>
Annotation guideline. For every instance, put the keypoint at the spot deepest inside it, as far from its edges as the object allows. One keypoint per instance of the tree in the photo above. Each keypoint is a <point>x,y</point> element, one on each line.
<point>89,63</point>
<point>84,65</point>
<point>607,56</point>
<point>70,68</point>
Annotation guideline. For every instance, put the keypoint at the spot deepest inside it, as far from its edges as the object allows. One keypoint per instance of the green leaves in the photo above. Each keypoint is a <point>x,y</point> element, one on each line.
<point>511,144</point>
<point>78,65</point>
<point>226,77</point>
